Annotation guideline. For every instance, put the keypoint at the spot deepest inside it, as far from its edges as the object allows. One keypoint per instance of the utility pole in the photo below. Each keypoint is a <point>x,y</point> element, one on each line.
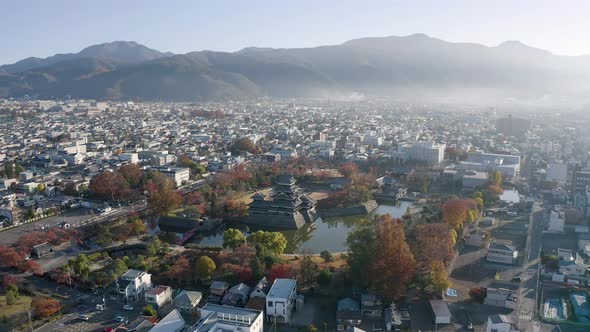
<point>30,321</point>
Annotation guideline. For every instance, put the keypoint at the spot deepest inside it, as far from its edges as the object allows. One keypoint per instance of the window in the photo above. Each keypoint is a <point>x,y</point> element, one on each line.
<point>269,303</point>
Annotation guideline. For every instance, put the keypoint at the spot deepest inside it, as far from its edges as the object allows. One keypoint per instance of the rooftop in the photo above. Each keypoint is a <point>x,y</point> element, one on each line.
<point>281,288</point>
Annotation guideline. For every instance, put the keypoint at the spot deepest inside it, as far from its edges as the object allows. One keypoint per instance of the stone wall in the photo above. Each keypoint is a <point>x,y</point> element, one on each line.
<point>360,209</point>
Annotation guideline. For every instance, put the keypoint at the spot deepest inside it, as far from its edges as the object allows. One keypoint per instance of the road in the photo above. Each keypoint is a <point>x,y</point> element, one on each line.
<point>76,217</point>
<point>527,298</point>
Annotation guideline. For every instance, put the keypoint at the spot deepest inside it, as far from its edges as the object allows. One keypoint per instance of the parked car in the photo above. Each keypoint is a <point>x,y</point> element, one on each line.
<point>516,279</point>
<point>128,307</point>
<point>119,319</point>
<point>84,317</point>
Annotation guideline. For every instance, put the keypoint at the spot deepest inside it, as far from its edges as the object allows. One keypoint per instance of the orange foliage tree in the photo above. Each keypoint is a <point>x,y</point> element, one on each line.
<point>44,306</point>
<point>433,243</point>
<point>455,211</point>
<point>393,264</point>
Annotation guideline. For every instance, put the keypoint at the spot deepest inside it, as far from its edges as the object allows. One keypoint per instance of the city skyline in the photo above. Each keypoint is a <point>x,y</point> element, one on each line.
<point>184,26</point>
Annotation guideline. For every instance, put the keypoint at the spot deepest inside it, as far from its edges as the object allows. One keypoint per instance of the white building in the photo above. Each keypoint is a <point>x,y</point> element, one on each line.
<point>556,172</point>
<point>134,282</point>
<point>177,174</point>
<point>508,165</point>
<point>158,296</point>
<point>428,152</point>
<point>556,222</point>
<point>575,268</point>
<point>501,253</point>
<point>216,317</point>
<point>132,158</point>
<point>500,323</point>
<point>280,300</point>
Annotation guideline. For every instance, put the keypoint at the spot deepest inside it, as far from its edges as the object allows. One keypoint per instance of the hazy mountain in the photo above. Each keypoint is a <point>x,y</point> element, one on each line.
<point>123,52</point>
<point>415,67</point>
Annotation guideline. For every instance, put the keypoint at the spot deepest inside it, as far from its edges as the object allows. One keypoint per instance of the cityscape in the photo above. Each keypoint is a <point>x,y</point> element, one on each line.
<point>382,184</point>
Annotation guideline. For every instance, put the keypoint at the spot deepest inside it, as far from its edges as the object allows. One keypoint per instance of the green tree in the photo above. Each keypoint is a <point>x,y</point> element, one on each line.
<point>148,310</point>
<point>205,267</point>
<point>18,168</point>
<point>137,227</point>
<point>233,238</point>
<point>80,266</point>
<point>10,299</point>
<point>361,247</point>
<point>256,266</point>
<point>271,241</point>
<point>9,170</point>
<point>140,262</point>
<point>326,256</point>
<point>103,235</point>
<point>308,269</point>
<point>324,277</point>
<point>119,267</point>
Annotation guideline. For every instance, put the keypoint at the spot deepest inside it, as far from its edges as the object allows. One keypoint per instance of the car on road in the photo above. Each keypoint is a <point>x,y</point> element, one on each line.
<point>84,317</point>
<point>128,307</point>
<point>119,319</point>
<point>108,329</point>
<point>516,279</point>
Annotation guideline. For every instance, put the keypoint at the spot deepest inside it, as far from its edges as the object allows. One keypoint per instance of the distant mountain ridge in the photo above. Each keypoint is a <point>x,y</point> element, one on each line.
<point>414,67</point>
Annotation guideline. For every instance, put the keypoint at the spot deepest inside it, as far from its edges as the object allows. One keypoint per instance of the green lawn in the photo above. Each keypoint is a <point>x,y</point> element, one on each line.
<point>23,304</point>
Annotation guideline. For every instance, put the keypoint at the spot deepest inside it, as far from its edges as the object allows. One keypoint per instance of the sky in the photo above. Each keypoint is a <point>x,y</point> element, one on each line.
<point>42,28</point>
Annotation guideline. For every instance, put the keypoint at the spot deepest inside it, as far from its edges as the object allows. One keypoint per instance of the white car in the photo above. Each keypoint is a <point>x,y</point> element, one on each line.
<point>84,317</point>
<point>128,307</point>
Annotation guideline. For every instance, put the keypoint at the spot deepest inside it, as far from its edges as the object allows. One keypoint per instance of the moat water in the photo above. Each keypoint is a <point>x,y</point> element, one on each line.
<point>325,234</point>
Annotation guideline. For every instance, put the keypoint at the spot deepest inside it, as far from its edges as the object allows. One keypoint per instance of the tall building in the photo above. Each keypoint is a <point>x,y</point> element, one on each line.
<point>427,152</point>
<point>510,126</point>
<point>286,207</point>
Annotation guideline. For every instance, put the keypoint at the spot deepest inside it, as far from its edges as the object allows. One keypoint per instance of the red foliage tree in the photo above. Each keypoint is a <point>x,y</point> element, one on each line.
<point>181,270</point>
<point>279,271</point>
<point>244,274</point>
<point>348,170</point>
<point>9,256</point>
<point>122,232</point>
<point>132,174</point>
<point>30,266</point>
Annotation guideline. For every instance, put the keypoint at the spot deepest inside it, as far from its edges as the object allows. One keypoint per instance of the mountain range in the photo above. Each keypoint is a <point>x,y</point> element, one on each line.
<point>415,67</point>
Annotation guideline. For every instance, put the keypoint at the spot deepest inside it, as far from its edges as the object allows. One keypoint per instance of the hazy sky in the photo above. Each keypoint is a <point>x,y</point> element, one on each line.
<point>45,27</point>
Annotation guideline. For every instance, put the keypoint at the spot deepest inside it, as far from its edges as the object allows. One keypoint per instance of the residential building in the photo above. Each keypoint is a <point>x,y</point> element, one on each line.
<point>501,253</point>
<point>575,268</point>
<point>158,296</point>
<point>280,301</point>
<point>173,322</point>
<point>41,250</point>
<point>237,295</point>
<point>133,283</point>
<point>371,305</point>
<point>261,289</point>
<point>426,152</point>
<point>500,323</point>
<point>187,301</point>
<point>348,313</point>
<point>216,318</point>
<point>216,291</point>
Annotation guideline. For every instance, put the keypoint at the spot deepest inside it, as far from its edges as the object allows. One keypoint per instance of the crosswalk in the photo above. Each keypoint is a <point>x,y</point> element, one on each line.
<point>525,317</point>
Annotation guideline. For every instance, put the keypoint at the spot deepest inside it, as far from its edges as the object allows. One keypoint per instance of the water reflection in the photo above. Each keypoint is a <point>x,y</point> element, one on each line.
<point>329,234</point>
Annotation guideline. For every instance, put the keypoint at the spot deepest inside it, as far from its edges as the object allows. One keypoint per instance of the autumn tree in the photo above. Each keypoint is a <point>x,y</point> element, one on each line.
<point>44,306</point>
<point>205,267</point>
<point>163,201</point>
<point>244,144</point>
<point>132,174</point>
<point>109,185</point>
<point>137,227</point>
<point>434,243</point>
<point>439,278</point>
<point>392,265</point>
<point>180,270</point>
<point>496,178</point>
<point>274,242</point>
<point>122,232</point>
<point>455,211</point>
<point>280,271</point>
<point>349,170</point>
<point>9,256</point>
<point>233,238</point>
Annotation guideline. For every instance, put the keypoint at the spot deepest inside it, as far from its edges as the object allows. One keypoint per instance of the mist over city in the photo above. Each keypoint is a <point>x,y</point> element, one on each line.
<point>260,166</point>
